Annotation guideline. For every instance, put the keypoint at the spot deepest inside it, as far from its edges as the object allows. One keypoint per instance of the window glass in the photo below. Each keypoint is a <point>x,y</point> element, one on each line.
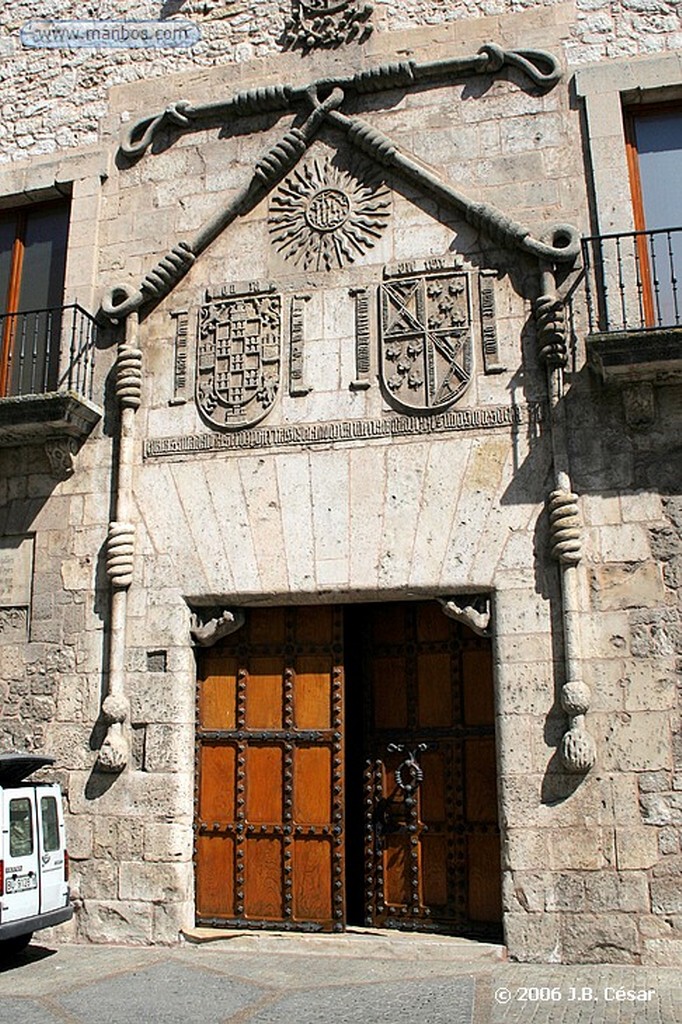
<point>7,233</point>
<point>42,278</point>
<point>655,138</point>
<point>33,242</point>
<point>658,138</point>
<point>20,827</point>
<point>50,822</point>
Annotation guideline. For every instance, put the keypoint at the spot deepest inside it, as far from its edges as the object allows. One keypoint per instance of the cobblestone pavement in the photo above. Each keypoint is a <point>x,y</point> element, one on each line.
<point>363,978</point>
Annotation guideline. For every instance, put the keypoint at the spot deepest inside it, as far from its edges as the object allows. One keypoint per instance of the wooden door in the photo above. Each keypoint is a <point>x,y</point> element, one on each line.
<point>269,822</point>
<point>432,848</point>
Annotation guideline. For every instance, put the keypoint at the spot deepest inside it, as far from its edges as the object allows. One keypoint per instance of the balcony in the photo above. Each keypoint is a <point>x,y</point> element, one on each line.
<point>634,302</point>
<point>46,376</point>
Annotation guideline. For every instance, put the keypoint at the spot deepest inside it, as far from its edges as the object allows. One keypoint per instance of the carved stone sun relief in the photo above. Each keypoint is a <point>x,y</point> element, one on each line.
<point>323,217</point>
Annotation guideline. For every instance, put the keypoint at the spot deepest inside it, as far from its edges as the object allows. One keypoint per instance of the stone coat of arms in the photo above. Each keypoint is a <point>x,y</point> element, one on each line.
<point>426,340</point>
<point>239,359</point>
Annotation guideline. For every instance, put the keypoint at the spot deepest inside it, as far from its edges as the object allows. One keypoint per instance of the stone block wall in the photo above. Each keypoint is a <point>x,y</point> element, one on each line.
<point>61,94</point>
<point>591,864</point>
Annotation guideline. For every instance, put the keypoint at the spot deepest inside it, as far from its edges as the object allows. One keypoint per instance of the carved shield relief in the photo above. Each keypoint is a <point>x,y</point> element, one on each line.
<point>239,359</point>
<point>426,340</point>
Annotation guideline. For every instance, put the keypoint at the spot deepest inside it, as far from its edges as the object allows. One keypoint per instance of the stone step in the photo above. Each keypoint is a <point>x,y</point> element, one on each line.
<point>360,942</point>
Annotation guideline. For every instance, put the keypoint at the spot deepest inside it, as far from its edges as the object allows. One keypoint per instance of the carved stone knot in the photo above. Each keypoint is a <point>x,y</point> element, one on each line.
<point>168,270</point>
<point>551,330</point>
<point>175,113</point>
<point>120,550</point>
<point>494,57</point>
<point>129,377</point>
<point>565,527</point>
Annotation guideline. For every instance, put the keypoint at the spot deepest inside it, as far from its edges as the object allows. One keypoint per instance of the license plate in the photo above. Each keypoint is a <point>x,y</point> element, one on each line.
<point>21,884</point>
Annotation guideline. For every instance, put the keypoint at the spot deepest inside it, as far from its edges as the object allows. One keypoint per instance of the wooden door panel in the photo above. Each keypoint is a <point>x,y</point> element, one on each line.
<point>434,851</point>
<point>434,692</point>
<point>217,784</point>
<point>480,780</point>
<point>215,875</point>
<point>316,625</point>
<point>312,692</point>
<point>432,794</point>
<point>264,784</point>
<point>483,862</point>
<point>312,885</point>
<point>312,785</point>
<point>217,692</point>
<point>264,694</point>
<point>389,689</point>
<point>396,858</point>
<point>267,626</point>
<point>432,848</point>
<point>263,879</point>
<point>477,689</point>
<point>270,837</point>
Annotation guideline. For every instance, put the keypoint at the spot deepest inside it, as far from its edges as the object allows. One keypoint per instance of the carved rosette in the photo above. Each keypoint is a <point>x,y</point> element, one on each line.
<point>326,23</point>
<point>323,217</point>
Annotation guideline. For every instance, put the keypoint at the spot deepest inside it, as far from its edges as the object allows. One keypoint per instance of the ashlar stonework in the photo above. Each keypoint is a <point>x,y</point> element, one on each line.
<point>360,555</point>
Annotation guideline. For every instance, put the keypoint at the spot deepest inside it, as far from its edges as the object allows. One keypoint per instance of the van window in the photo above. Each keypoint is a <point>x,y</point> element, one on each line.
<point>48,814</point>
<point>20,827</point>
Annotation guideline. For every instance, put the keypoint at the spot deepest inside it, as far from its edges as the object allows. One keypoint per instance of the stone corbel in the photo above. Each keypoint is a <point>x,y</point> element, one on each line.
<point>207,632</point>
<point>472,610</point>
<point>60,453</point>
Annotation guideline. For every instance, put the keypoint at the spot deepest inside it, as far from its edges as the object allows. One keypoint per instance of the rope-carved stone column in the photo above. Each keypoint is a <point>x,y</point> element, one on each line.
<point>577,750</point>
<point>113,755</point>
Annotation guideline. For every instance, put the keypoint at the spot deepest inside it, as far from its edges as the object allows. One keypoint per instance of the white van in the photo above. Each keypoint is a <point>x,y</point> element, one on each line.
<point>34,863</point>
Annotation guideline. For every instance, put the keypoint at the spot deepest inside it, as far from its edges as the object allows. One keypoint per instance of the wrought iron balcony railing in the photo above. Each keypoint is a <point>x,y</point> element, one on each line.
<point>48,350</point>
<point>632,280</point>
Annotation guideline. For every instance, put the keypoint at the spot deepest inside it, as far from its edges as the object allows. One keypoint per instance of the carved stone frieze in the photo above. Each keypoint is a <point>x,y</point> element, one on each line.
<point>239,359</point>
<point>327,23</point>
<point>492,417</point>
<point>323,217</point>
<point>13,625</point>
<point>426,340</point>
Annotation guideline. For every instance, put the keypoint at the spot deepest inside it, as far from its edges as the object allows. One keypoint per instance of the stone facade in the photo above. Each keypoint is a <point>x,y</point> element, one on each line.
<point>342,479</point>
